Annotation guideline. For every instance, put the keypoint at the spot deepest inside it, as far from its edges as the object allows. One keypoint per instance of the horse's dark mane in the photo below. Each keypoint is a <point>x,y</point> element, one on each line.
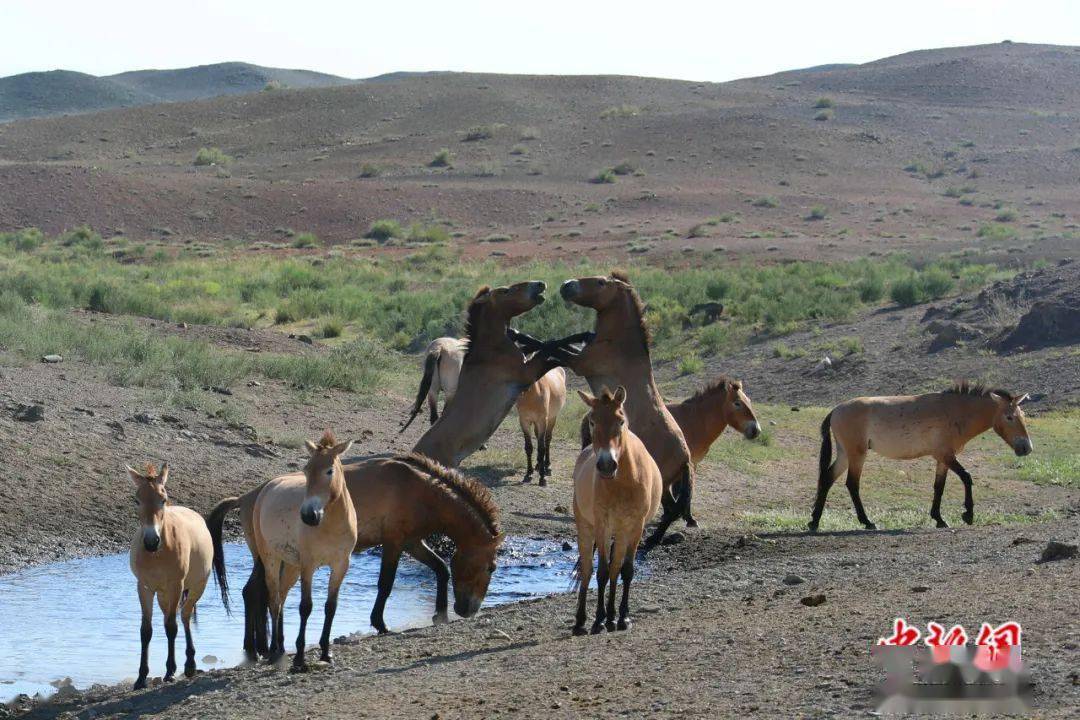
<point>475,495</point>
<point>964,387</point>
<point>472,317</point>
<point>639,306</point>
<point>718,386</point>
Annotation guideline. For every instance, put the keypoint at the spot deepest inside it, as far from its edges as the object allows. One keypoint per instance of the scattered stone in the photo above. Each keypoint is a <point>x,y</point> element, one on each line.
<point>813,600</point>
<point>561,509</point>
<point>566,546</point>
<point>182,326</point>
<point>792,579</point>
<point>794,408</point>
<point>920,589</point>
<point>210,659</point>
<point>85,411</point>
<point>52,358</point>
<point>675,538</point>
<point>254,383</point>
<point>305,339</point>
<point>29,413</point>
<point>187,434</point>
<point>219,390</point>
<point>143,417</point>
<point>1021,540</point>
<point>824,365</point>
<point>1055,550</point>
<point>500,635</point>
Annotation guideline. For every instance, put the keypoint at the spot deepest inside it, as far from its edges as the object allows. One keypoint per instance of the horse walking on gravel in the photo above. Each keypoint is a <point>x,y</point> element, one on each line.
<point>301,523</point>
<point>538,408</point>
<point>442,366</point>
<point>399,502</point>
<point>171,555</point>
<point>913,426</point>
<point>617,488</point>
<point>708,412</point>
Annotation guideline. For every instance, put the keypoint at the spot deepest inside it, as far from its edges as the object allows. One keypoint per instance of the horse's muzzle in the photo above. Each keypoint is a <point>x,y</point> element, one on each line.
<point>569,290</point>
<point>311,512</point>
<point>467,607</point>
<point>752,431</point>
<point>538,288</point>
<point>606,464</point>
<point>151,540</point>
<point>1022,446</point>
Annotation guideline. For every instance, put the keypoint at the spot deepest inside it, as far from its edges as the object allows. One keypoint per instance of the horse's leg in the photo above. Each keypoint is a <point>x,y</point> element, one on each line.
<point>825,482</point>
<point>627,578</point>
<point>186,611</point>
<point>146,632</point>
<point>169,603</point>
<point>687,492</point>
<point>548,432</point>
<point>585,569</point>
<point>939,487</point>
<point>528,452</point>
<point>273,600</point>
<point>433,407</point>
<point>602,568</point>
<point>419,550</point>
<point>618,556</point>
<point>969,501</point>
<point>541,454</point>
<point>668,502</point>
<point>307,571</point>
<point>256,606</point>
<point>337,576</point>
<point>387,572</point>
<point>854,473</point>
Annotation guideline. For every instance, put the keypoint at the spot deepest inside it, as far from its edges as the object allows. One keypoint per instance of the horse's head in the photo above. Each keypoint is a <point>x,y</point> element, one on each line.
<point>471,569</point>
<point>596,292</point>
<point>151,497</point>
<point>737,410</point>
<point>1009,422</point>
<point>325,477</point>
<point>505,303</point>
<point>607,425</point>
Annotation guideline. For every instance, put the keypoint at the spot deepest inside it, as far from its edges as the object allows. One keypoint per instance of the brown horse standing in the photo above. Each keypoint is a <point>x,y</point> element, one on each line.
<point>171,555</point>
<point>705,414</point>
<point>913,426</point>
<point>302,522</point>
<point>493,374</point>
<point>538,408</point>
<point>617,488</point>
<point>442,366</point>
<point>399,502</point>
<point>618,354</point>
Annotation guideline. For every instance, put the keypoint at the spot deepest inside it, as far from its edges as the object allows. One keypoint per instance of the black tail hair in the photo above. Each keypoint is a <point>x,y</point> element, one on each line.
<point>256,609</point>
<point>430,363</point>
<point>825,459</point>
<point>681,490</point>
<point>586,434</point>
<point>215,521</point>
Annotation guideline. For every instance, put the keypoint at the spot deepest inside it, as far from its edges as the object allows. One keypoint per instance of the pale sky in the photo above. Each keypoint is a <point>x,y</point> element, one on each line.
<point>712,41</point>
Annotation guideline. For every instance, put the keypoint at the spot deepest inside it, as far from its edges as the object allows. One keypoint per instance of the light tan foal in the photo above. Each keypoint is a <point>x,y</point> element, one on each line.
<point>302,522</point>
<point>538,408</point>
<point>171,555</point>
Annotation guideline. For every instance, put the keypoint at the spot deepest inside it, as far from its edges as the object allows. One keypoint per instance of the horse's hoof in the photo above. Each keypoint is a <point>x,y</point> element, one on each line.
<point>578,631</point>
<point>383,631</point>
<point>140,684</point>
<point>610,626</point>
<point>870,526</point>
<point>691,522</point>
<point>543,482</point>
<point>624,624</point>
<point>327,658</point>
<point>168,677</point>
<point>812,526</point>
<point>597,628</point>
<point>942,524</point>
<point>189,670</point>
<point>968,517</point>
<point>299,667</point>
<point>440,619</point>
<point>527,478</point>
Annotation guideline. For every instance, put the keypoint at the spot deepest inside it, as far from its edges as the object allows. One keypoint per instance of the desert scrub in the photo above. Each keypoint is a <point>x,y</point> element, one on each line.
<point>442,158</point>
<point>768,201</point>
<point>918,288</point>
<point>384,230</point>
<point>423,233</point>
<point>823,115</point>
<point>620,111</point>
<point>996,231</point>
<point>306,240</point>
<point>626,167</point>
<point>607,175</point>
<point>824,103</point>
<point>212,156</point>
<point>370,170</point>
<point>818,212</point>
<point>479,132</point>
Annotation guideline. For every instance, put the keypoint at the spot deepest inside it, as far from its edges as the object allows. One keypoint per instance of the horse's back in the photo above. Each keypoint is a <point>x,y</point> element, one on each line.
<point>896,426</point>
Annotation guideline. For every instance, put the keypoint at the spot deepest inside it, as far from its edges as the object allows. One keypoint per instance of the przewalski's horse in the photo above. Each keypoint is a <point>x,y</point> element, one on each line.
<point>171,555</point>
<point>618,354</point>
<point>493,374</point>
<point>538,408</point>
<point>442,366</point>
<point>399,502</point>
<point>912,426</point>
<point>706,413</point>
<point>617,488</point>
<point>302,522</point>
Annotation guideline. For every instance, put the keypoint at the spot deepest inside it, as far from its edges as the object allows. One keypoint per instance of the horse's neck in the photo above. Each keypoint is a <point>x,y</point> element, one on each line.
<point>978,416</point>
<point>457,520</point>
<point>342,501</point>
<point>703,420</point>
<point>619,324</point>
<point>489,338</point>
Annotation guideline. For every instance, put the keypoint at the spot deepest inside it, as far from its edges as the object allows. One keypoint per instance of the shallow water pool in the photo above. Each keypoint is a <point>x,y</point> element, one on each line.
<point>80,619</point>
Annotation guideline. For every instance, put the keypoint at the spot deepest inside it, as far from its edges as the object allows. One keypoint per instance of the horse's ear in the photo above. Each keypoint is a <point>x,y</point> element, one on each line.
<point>136,476</point>
<point>498,539</point>
<point>1021,399</point>
<point>620,395</point>
<point>587,398</point>
<point>163,473</point>
<point>312,448</point>
<point>342,448</point>
<point>482,295</point>
<point>999,398</point>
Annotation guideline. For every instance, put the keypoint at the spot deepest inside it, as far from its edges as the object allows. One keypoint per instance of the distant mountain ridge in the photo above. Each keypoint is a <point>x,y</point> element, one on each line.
<point>59,92</point>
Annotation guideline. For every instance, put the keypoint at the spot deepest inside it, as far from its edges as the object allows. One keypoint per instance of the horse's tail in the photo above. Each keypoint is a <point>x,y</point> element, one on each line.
<point>431,362</point>
<point>586,434</point>
<point>685,487</point>
<point>825,458</point>
<point>215,522</point>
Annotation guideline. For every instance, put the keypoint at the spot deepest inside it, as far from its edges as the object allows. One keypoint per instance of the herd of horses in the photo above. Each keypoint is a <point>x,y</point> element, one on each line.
<point>638,454</point>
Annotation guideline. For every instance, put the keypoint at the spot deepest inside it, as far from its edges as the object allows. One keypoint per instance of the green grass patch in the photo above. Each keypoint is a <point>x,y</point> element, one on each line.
<point>212,156</point>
